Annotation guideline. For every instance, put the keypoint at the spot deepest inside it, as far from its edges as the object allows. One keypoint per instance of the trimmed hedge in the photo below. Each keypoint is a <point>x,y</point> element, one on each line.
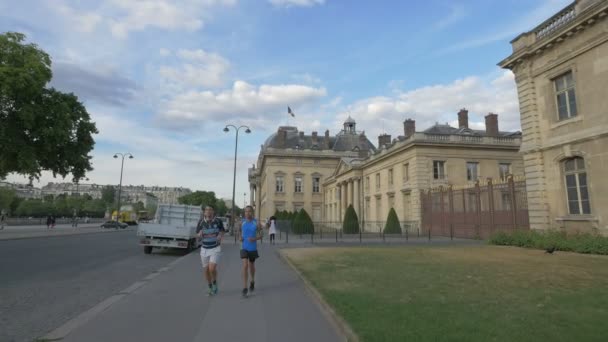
<point>350,224</point>
<point>560,241</point>
<point>392,223</point>
<point>303,223</point>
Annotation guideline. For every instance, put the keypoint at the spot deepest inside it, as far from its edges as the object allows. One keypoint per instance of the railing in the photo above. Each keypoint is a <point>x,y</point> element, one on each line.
<point>554,23</point>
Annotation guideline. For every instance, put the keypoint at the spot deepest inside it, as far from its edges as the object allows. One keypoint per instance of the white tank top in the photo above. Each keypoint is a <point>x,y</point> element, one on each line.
<point>273,228</point>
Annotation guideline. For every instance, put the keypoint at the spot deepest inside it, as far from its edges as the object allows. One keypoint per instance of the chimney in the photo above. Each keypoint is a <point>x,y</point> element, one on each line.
<point>384,139</point>
<point>315,139</point>
<point>463,118</point>
<point>281,137</point>
<point>492,125</point>
<point>409,127</point>
<point>327,142</point>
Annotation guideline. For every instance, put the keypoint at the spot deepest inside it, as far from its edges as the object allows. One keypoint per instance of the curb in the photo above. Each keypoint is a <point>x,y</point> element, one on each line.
<point>338,322</point>
<point>64,330</point>
<point>63,234</point>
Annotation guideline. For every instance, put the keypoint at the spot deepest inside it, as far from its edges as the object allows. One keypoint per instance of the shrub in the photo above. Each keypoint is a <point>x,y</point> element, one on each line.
<point>351,221</point>
<point>303,223</point>
<point>392,223</point>
<point>561,241</point>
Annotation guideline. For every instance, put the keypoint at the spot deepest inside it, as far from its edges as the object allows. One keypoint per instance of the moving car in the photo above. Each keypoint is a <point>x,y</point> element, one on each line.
<point>114,224</point>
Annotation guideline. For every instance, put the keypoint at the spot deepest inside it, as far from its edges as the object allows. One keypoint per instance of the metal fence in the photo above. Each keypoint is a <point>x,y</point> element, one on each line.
<point>475,211</point>
<point>23,221</point>
<point>331,231</point>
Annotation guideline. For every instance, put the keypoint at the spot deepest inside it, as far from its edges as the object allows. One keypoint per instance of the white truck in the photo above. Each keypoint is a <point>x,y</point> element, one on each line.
<point>174,226</point>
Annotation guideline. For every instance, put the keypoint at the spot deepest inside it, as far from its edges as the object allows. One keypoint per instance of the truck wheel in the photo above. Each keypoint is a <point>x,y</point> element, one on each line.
<point>147,249</point>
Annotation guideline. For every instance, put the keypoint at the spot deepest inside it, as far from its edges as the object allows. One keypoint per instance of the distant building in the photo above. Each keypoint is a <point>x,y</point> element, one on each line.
<point>23,190</point>
<point>129,193</point>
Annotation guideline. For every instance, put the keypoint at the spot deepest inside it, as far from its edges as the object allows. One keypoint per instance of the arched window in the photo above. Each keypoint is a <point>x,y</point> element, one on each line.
<point>576,186</point>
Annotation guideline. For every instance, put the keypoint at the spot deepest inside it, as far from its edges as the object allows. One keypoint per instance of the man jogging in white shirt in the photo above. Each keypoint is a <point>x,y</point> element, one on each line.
<point>211,230</point>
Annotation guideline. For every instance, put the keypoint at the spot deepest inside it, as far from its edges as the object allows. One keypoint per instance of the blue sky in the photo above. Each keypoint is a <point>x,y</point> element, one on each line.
<point>161,78</point>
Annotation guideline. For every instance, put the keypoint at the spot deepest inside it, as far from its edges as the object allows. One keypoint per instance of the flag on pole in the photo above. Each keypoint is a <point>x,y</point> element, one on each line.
<point>290,112</point>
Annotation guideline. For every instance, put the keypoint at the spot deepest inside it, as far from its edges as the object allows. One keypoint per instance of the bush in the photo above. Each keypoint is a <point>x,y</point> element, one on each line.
<point>303,223</point>
<point>351,221</point>
<point>392,223</point>
<point>559,240</point>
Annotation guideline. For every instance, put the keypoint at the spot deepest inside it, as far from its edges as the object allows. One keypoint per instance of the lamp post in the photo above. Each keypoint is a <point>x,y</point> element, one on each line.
<point>122,164</point>
<point>244,200</point>
<point>236,144</point>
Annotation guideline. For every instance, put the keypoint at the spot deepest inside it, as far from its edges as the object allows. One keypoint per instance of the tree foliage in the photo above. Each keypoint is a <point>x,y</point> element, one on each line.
<point>208,198</point>
<point>40,128</point>
<point>7,196</point>
<point>302,224</point>
<point>108,194</point>
<point>392,223</point>
<point>350,225</point>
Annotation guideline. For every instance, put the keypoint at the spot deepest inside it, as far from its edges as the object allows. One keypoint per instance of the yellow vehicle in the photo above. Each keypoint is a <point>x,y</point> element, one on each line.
<point>127,217</point>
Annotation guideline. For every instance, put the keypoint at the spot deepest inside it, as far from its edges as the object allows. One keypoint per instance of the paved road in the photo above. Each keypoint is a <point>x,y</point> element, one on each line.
<point>46,281</point>
<point>32,231</point>
<point>173,307</point>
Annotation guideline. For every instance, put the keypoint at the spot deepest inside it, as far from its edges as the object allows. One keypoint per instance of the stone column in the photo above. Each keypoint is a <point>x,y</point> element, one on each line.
<point>350,192</point>
<point>339,201</point>
<point>344,200</point>
<point>357,194</point>
<point>251,197</point>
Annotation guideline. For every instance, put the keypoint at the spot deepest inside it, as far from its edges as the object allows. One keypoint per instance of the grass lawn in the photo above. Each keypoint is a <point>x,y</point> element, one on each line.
<point>477,293</point>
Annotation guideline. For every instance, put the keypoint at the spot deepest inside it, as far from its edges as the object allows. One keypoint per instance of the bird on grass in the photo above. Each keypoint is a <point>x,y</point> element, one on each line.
<point>550,250</point>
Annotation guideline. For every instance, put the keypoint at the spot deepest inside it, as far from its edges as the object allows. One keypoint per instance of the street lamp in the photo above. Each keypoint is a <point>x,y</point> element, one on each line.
<point>122,164</point>
<point>244,200</point>
<point>236,144</point>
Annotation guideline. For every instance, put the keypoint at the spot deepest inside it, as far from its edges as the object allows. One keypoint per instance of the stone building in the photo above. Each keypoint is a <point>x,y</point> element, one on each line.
<point>561,71</point>
<point>395,175</point>
<point>292,166</point>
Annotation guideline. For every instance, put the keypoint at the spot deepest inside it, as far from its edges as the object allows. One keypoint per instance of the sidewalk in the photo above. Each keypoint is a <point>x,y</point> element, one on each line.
<point>25,232</point>
<point>174,307</point>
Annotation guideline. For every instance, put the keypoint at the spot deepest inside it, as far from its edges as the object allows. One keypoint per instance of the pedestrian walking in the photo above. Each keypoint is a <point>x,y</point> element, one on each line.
<point>75,222</point>
<point>211,230</point>
<point>272,229</point>
<point>3,218</point>
<point>251,232</point>
<point>49,221</point>
<point>53,220</point>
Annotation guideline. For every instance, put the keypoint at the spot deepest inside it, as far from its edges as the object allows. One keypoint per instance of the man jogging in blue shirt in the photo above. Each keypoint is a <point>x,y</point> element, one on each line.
<point>251,232</point>
<point>211,230</point>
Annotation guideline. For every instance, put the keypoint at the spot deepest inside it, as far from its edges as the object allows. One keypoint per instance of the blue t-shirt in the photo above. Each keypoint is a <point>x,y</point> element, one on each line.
<point>249,230</point>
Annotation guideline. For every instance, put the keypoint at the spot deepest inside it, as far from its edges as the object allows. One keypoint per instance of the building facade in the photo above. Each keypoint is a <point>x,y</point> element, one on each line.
<point>129,193</point>
<point>292,167</point>
<point>396,174</point>
<point>561,71</point>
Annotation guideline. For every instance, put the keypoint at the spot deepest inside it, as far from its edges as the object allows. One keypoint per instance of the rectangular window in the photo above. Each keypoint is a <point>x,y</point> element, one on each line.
<point>472,171</point>
<point>367,184</point>
<point>391,201</point>
<point>390,177</point>
<point>298,161</point>
<point>438,169</point>
<point>317,161</point>
<point>279,184</point>
<point>298,184</point>
<point>566,99</point>
<point>316,184</point>
<point>504,170</point>
<point>576,186</point>
<point>406,173</point>
<point>377,181</point>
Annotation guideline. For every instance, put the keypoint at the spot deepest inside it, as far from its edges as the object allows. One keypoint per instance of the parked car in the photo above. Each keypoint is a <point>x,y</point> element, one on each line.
<point>114,224</point>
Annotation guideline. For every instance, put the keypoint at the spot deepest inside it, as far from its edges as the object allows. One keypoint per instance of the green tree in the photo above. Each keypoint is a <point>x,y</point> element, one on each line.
<point>40,128</point>
<point>139,206</point>
<point>392,223</point>
<point>351,221</point>
<point>302,224</point>
<point>94,208</point>
<point>108,194</point>
<point>199,198</point>
<point>220,207</point>
<point>7,196</point>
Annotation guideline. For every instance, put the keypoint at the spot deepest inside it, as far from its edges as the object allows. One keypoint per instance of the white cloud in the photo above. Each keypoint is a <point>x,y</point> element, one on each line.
<point>255,105</point>
<point>82,21</point>
<point>199,69</point>
<point>440,103</point>
<point>298,3</point>
<point>164,52</point>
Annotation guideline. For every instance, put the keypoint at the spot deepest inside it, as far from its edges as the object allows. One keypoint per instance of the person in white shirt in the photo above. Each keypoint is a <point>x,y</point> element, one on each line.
<point>272,229</point>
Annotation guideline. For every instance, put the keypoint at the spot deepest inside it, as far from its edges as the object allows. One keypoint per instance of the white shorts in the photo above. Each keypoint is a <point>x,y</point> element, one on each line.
<point>211,255</point>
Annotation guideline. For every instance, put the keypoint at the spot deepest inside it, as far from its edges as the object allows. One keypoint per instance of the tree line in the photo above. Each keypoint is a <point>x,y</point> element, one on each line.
<point>200,198</point>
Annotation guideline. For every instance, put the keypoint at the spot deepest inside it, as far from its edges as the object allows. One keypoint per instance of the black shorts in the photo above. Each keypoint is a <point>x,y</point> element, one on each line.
<point>251,255</point>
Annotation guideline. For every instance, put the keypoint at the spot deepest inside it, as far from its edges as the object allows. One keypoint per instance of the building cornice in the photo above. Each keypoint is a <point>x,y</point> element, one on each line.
<point>554,30</point>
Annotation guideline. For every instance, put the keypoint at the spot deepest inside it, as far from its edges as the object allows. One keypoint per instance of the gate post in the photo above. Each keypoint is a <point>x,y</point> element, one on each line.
<point>513,201</point>
<point>478,208</point>
<point>491,204</point>
<point>430,199</point>
<point>442,204</point>
<point>451,199</point>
